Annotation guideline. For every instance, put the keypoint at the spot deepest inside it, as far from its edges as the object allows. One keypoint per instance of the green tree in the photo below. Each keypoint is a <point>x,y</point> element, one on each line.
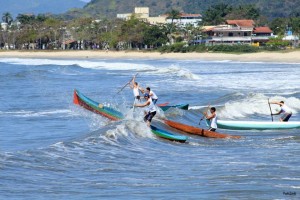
<point>7,18</point>
<point>133,32</point>
<point>25,19</point>
<point>155,36</point>
<point>216,14</point>
<point>173,14</point>
<point>244,12</point>
<point>278,25</point>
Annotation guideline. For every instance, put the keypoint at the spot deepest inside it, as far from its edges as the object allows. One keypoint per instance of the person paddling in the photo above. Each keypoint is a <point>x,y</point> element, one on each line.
<point>284,109</point>
<point>151,94</point>
<point>136,89</point>
<point>213,119</point>
<point>151,110</point>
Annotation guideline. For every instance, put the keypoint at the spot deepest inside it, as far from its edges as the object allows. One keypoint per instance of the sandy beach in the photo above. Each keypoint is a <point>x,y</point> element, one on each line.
<point>283,57</point>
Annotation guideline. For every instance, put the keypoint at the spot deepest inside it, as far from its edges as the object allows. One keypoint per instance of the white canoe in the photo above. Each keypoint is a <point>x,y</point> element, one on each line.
<point>258,125</point>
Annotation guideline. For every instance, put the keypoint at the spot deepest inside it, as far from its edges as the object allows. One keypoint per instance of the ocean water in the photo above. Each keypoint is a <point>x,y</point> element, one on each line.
<point>53,149</point>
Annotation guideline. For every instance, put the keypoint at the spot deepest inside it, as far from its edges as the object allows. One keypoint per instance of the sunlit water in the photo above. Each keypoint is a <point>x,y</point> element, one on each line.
<point>52,149</point>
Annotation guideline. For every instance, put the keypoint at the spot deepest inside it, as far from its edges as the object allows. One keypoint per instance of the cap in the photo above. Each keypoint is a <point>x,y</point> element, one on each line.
<point>146,95</point>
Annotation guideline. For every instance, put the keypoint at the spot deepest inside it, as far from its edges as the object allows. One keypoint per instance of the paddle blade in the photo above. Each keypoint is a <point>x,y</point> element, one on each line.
<point>163,104</point>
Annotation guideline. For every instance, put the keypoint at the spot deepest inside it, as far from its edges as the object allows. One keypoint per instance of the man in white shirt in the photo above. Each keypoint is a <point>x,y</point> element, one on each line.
<point>152,95</point>
<point>151,109</point>
<point>284,109</point>
<point>212,118</point>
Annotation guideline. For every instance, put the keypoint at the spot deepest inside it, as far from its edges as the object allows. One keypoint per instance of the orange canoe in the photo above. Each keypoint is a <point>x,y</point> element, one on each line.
<point>198,131</point>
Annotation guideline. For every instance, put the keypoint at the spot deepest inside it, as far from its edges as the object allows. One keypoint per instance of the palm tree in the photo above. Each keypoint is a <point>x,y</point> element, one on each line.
<point>173,14</point>
<point>7,18</point>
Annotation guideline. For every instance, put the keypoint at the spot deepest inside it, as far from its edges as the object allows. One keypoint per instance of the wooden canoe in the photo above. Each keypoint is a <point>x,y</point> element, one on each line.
<point>167,135</point>
<point>95,107</point>
<point>115,115</point>
<point>198,131</point>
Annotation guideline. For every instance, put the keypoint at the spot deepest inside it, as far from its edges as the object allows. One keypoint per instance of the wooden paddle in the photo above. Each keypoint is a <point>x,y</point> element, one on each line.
<point>270,109</point>
<point>204,114</point>
<point>127,84</point>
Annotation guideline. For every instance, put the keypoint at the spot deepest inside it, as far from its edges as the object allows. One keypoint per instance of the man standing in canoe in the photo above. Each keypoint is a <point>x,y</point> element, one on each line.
<point>151,110</point>
<point>151,94</point>
<point>136,89</point>
<point>284,109</point>
<point>212,118</point>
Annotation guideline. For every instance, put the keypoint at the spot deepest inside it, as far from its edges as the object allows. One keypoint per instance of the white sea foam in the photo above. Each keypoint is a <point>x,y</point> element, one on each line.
<point>176,71</point>
<point>94,64</point>
<point>255,104</point>
<point>104,65</point>
<point>127,127</point>
<point>30,113</point>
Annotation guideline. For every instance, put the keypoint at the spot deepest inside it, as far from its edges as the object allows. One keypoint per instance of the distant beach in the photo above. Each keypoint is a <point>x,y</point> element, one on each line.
<point>284,57</point>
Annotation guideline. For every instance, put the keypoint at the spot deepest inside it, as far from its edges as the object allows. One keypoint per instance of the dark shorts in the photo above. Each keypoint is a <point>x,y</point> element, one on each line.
<point>154,101</point>
<point>149,116</point>
<point>286,117</point>
<point>212,129</point>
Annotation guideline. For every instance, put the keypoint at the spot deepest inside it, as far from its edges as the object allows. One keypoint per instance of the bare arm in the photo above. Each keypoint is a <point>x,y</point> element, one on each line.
<point>143,104</point>
<point>142,90</point>
<point>275,102</point>
<point>132,82</point>
<point>210,116</point>
<point>278,103</point>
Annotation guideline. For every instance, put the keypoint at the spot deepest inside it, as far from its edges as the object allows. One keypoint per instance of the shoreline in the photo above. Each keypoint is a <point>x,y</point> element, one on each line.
<point>282,57</point>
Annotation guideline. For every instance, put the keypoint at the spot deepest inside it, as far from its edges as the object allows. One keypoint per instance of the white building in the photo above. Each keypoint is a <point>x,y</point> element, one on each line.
<point>185,19</point>
<point>4,26</point>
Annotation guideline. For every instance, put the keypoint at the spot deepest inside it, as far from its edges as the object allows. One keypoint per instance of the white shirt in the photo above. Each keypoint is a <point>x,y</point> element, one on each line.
<point>213,122</point>
<point>151,107</point>
<point>136,91</point>
<point>153,95</point>
<point>285,109</point>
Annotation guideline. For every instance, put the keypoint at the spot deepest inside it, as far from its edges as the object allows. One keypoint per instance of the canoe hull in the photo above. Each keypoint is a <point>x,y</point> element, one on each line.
<point>256,125</point>
<point>198,131</point>
<point>181,106</point>
<point>93,106</point>
<point>167,135</point>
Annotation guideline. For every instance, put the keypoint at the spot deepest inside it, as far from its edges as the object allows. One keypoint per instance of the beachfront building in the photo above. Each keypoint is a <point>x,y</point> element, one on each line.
<point>289,36</point>
<point>261,35</point>
<point>187,19</point>
<point>238,32</point>
<point>144,14</point>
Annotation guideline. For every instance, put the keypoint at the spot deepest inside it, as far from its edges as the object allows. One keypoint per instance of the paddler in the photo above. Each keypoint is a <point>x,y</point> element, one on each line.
<point>151,109</point>
<point>212,118</point>
<point>136,89</point>
<point>284,109</point>
<point>152,95</point>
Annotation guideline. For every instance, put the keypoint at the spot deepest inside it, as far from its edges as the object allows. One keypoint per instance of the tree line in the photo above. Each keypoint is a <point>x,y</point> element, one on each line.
<point>50,32</point>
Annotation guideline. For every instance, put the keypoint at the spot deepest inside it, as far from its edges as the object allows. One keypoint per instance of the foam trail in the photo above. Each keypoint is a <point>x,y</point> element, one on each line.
<point>95,64</point>
<point>255,104</point>
<point>177,71</point>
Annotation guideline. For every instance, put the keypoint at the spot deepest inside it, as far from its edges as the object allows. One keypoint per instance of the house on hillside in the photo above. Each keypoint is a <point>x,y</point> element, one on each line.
<point>261,35</point>
<point>144,14</point>
<point>238,31</point>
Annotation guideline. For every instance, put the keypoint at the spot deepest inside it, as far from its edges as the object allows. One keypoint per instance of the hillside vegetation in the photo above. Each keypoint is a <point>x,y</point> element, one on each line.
<point>110,8</point>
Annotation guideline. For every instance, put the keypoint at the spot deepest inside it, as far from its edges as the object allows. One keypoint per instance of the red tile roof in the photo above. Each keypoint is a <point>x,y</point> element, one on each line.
<point>263,29</point>
<point>241,23</point>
